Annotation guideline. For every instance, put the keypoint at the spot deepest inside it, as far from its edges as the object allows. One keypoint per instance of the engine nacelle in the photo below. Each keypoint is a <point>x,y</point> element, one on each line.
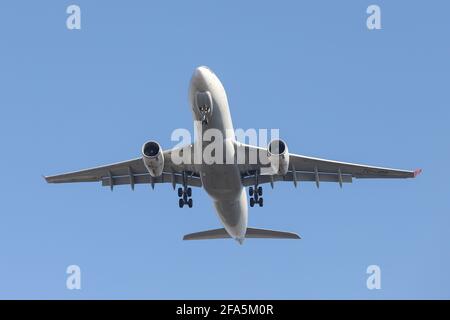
<point>278,154</point>
<point>153,158</point>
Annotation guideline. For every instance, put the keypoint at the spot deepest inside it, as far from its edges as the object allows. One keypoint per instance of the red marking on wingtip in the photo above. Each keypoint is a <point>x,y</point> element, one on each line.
<point>417,172</point>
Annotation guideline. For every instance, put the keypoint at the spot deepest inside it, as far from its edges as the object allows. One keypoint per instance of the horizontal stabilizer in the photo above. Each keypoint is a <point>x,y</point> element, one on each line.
<point>270,234</point>
<point>251,233</point>
<point>210,234</point>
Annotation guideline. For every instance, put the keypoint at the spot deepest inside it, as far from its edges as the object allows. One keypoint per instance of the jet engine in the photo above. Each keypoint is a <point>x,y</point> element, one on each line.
<point>278,154</point>
<point>153,158</point>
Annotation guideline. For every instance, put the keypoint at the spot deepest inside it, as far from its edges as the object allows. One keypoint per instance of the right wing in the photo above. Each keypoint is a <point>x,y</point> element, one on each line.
<point>133,172</point>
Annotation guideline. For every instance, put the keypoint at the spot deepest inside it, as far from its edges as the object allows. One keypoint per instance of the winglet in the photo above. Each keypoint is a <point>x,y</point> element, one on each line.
<point>417,172</point>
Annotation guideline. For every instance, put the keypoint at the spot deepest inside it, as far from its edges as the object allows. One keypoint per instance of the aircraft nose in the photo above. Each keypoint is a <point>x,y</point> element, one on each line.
<point>200,73</point>
<point>199,78</point>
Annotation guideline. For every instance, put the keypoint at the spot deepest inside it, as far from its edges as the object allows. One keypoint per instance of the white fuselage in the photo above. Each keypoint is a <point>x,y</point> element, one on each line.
<point>221,181</point>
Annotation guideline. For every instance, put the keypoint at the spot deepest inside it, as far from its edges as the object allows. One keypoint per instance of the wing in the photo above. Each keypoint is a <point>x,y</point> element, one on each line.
<point>133,172</point>
<point>303,168</point>
<point>303,163</point>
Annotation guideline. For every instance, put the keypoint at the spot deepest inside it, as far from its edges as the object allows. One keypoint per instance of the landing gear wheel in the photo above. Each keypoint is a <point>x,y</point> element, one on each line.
<point>250,191</point>
<point>260,202</point>
<point>181,203</point>
<point>252,202</point>
<point>260,191</point>
<point>189,192</point>
<point>180,192</point>
<point>189,203</point>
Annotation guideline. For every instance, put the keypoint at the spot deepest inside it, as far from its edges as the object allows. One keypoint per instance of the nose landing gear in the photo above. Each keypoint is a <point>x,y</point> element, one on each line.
<point>204,120</point>
<point>204,111</point>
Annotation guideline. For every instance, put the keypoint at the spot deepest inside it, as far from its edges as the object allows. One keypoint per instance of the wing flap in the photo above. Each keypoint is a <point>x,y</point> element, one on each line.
<point>146,178</point>
<point>300,176</point>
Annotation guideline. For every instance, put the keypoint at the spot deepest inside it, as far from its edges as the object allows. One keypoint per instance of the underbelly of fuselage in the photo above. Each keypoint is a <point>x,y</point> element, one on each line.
<point>223,183</point>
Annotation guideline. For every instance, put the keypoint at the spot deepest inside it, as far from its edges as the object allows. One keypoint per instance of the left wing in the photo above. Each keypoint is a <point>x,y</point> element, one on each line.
<point>303,168</point>
<point>133,172</point>
<point>303,163</point>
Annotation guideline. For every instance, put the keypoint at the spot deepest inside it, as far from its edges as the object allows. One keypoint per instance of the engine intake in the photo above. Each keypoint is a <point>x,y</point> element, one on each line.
<point>278,154</point>
<point>153,158</point>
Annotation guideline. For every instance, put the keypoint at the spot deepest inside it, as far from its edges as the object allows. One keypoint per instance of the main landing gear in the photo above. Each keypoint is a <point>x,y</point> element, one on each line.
<point>256,196</point>
<point>185,195</point>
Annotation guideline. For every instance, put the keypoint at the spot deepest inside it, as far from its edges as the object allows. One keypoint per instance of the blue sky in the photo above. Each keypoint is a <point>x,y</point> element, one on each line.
<point>76,99</point>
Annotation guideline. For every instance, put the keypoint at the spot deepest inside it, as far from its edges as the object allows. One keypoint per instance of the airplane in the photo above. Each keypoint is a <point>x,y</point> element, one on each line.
<point>225,183</point>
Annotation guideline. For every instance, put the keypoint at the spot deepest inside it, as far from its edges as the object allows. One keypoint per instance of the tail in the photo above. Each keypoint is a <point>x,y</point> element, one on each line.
<point>251,233</point>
